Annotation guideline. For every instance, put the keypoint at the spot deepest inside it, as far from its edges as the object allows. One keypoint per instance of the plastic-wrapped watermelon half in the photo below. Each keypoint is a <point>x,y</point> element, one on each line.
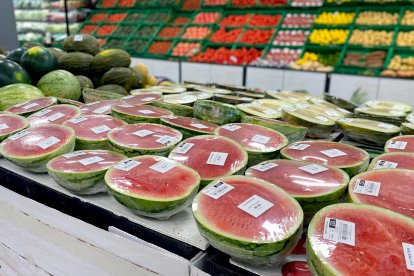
<point>139,113</point>
<point>326,112</point>
<point>232,99</point>
<point>188,126</point>
<point>410,118</point>
<point>261,143</point>
<point>393,105</point>
<point>92,130</point>
<point>211,156</point>
<point>273,104</point>
<point>99,108</point>
<point>261,111</point>
<point>55,114</point>
<point>342,156</point>
<point>318,126</point>
<point>249,219</point>
<point>153,186</point>
<point>177,109</point>
<point>171,89</point>
<point>313,186</point>
<point>142,98</point>
<point>407,128</point>
<point>180,99</point>
<point>382,114</point>
<point>10,124</point>
<point>367,131</point>
<point>68,101</point>
<point>393,160</point>
<point>144,138</point>
<point>330,106</point>
<point>32,148</point>
<point>389,189</point>
<point>200,95</point>
<point>216,112</point>
<point>359,239</point>
<point>29,107</point>
<point>292,132</point>
<point>404,143</point>
<point>83,172</point>
<point>289,96</point>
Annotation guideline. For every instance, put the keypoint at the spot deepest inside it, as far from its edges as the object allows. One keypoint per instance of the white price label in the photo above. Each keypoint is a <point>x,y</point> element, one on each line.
<point>166,140</point>
<point>386,126</point>
<point>183,148</point>
<point>77,120</point>
<point>218,190</point>
<point>288,108</point>
<point>126,105</point>
<point>409,255</point>
<point>398,107</point>
<point>261,139</point>
<point>163,166</point>
<point>367,187</point>
<point>396,112</point>
<point>91,160</point>
<point>255,205</point>
<point>270,111</point>
<point>74,154</point>
<point>313,168</point>
<point>339,231</point>
<point>143,132</point>
<point>200,126</point>
<point>128,97</point>
<point>100,129</point>
<point>30,105</point>
<point>20,104</point>
<point>171,117</point>
<point>333,153</point>
<point>18,135</point>
<point>3,126</point>
<point>231,127</point>
<point>301,105</point>
<point>382,164</point>
<point>102,109</point>
<point>52,140</point>
<point>147,99</point>
<point>299,146</point>
<point>217,158</point>
<point>331,113</point>
<point>78,38</point>
<point>42,112</point>
<point>146,111</point>
<point>345,120</point>
<point>55,117</point>
<point>127,165</point>
<point>397,145</point>
<point>264,166</point>
<point>322,118</point>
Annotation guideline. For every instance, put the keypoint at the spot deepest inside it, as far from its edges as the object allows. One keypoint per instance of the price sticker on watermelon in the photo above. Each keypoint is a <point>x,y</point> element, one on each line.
<point>313,168</point>
<point>47,143</point>
<point>102,109</point>
<point>91,160</point>
<point>264,166</point>
<point>200,126</point>
<point>409,255</point>
<point>217,158</point>
<point>339,231</point>
<point>3,126</point>
<point>383,164</point>
<point>127,165</point>
<point>77,120</point>
<point>147,99</point>
<point>397,145</point>
<point>255,205</point>
<point>183,148</point>
<point>166,140</point>
<point>143,132</point>
<point>332,153</point>
<point>74,154</point>
<point>299,146</point>
<point>146,111</point>
<point>367,187</point>
<point>55,117</point>
<point>261,139</point>
<point>42,112</point>
<point>30,105</point>
<point>218,190</point>
<point>100,129</point>
<point>231,127</point>
<point>163,166</point>
<point>18,135</point>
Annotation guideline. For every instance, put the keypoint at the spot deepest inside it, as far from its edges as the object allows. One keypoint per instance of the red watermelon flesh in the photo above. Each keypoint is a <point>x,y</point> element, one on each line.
<point>125,135</point>
<point>379,235</point>
<point>28,144</point>
<point>191,123</point>
<point>142,110</point>
<point>143,98</point>
<point>313,153</point>
<point>98,108</point>
<point>10,123</point>
<point>70,162</point>
<point>56,114</point>
<point>297,182</point>
<point>296,268</point>
<point>32,106</point>
<point>396,192</point>
<point>270,226</point>
<point>407,140</point>
<point>254,138</point>
<point>200,152</point>
<point>83,129</point>
<point>402,160</point>
<point>149,183</point>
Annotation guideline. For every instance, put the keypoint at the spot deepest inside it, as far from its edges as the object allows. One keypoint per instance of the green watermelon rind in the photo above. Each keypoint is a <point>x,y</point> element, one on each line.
<point>60,84</point>
<point>26,125</point>
<point>321,266</point>
<point>375,160</point>
<point>246,110</point>
<point>38,163</point>
<point>186,132</point>
<point>216,112</point>
<point>177,109</point>
<point>133,118</point>
<point>407,129</point>
<point>53,102</point>
<point>247,250</point>
<point>386,150</point>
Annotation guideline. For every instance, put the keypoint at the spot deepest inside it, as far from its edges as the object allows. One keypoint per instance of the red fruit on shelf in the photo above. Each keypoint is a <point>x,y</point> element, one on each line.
<point>215,2</point>
<point>196,33</point>
<point>101,41</point>
<point>191,5</point>
<point>105,29</point>
<point>224,55</point>
<point>235,20</point>
<point>291,38</point>
<point>108,3</point>
<point>206,17</point>
<point>98,17</point>
<point>116,17</point>
<point>186,49</point>
<point>273,2</point>
<point>256,36</point>
<point>159,47</point>
<point>224,36</point>
<point>296,268</point>
<point>169,32</point>
<point>88,29</point>
<point>181,20</point>
<point>261,20</point>
<point>302,20</point>
<point>243,3</point>
<point>126,3</point>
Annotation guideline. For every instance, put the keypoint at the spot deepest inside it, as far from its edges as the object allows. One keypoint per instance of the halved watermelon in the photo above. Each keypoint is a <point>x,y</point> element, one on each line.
<point>180,99</point>
<point>248,218</point>
<point>261,143</point>
<point>381,240</point>
<point>69,101</point>
<point>211,156</point>
<point>177,109</point>
<point>392,160</point>
<point>98,108</point>
<point>200,95</point>
<point>259,110</point>
<point>404,143</point>
<point>32,148</point>
<point>313,186</point>
<point>346,157</point>
<point>92,130</point>
<point>139,113</point>
<point>143,98</point>
<point>400,106</point>
<point>82,172</point>
<point>389,189</point>
<point>10,124</point>
<point>144,138</point>
<point>407,128</point>
<point>189,127</point>
<point>29,107</point>
<point>153,186</point>
<point>216,112</point>
<point>56,114</point>
<point>381,114</point>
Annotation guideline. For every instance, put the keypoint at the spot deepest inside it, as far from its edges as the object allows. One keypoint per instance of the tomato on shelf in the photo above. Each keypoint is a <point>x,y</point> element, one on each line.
<point>196,33</point>
<point>105,29</point>
<point>298,20</point>
<point>169,32</point>
<point>108,3</point>
<point>159,47</point>
<point>116,17</point>
<point>191,5</point>
<point>186,49</point>
<point>224,55</point>
<point>126,3</point>
<point>206,18</point>
<point>256,36</point>
<point>262,20</point>
<point>215,2</point>
<point>101,41</point>
<point>181,20</point>
<point>88,29</point>
<point>244,3</point>
<point>226,36</point>
<point>98,17</point>
<point>235,20</point>
<point>274,3</point>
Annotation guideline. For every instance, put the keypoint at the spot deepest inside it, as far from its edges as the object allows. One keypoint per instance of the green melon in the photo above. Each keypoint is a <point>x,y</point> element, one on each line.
<point>407,128</point>
<point>38,61</point>
<point>16,93</point>
<point>94,95</point>
<point>77,63</point>
<point>16,54</point>
<point>114,88</point>
<point>216,113</point>
<point>84,82</point>
<point>122,76</point>
<point>11,72</point>
<point>81,43</point>
<point>109,59</point>
<point>61,84</point>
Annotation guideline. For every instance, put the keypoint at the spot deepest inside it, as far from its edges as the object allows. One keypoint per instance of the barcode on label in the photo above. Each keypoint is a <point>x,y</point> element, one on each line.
<point>20,104</point>
<point>102,110</point>
<point>200,126</point>
<point>339,231</point>
<point>367,187</point>
<point>77,120</point>
<point>3,126</point>
<point>146,111</point>
<point>30,105</point>
<point>91,160</point>
<point>313,168</point>
<point>127,165</point>
<point>163,166</point>
<point>217,158</point>
<point>183,148</point>
<point>42,112</point>
<point>100,129</point>
<point>52,140</point>
<point>231,127</point>
<point>333,153</point>
<point>383,164</point>
<point>264,166</point>
<point>143,132</point>
<point>261,139</point>
<point>166,140</point>
<point>217,190</point>
<point>301,105</point>
<point>255,205</point>
<point>397,145</point>
<point>74,154</point>
<point>409,255</point>
<point>321,118</point>
<point>18,135</point>
<point>299,146</point>
<point>55,117</point>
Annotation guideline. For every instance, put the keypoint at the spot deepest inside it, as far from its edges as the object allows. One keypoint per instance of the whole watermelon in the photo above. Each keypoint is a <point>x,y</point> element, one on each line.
<point>60,84</point>
<point>16,93</point>
<point>38,61</point>
<point>11,72</point>
<point>16,54</point>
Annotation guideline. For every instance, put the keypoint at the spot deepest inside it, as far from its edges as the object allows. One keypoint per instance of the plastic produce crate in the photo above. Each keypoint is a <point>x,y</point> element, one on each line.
<point>157,16</point>
<point>126,4</point>
<point>197,32</point>
<point>136,46</point>
<point>135,17</point>
<point>235,18</point>
<point>360,57</point>
<point>125,29</point>
<point>366,18</point>
<point>169,31</point>
<point>214,3</point>
<point>350,12</point>
<point>88,29</point>
<point>105,4</point>
<point>226,36</point>
<point>97,17</point>
<point>185,49</point>
<point>235,55</point>
<point>180,19</point>
<point>114,42</point>
<point>159,48</point>
<point>298,19</point>
<point>147,30</point>
<point>207,17</point>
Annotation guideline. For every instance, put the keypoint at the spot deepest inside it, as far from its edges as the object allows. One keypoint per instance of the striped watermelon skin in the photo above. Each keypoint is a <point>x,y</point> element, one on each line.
<point>16,93</point>
<point>61,84</point>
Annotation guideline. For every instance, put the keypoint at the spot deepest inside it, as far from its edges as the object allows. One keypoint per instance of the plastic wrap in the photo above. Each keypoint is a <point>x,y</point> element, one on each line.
<point>372,241</point>
<point>382,114</point>
<point>404,143</point>
<point>392,160</point>
<point>211,156</point>
<point>249,219</point>
<point>55,114</point>
<point>188,126</point>
<point>153,186</point>
<point>216,112</point>
<point>139,113</point>
<point>82,172</point>
<point>407,128</point>
<point>10,124</point>
<point>99,107</point>
<point>349,158</point>
<point>29,107</point>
